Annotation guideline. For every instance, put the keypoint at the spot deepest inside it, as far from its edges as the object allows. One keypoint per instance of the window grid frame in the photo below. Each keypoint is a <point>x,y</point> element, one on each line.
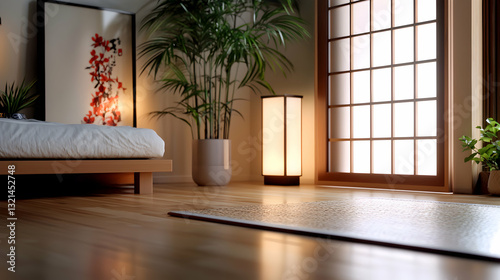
<point>393,101</point>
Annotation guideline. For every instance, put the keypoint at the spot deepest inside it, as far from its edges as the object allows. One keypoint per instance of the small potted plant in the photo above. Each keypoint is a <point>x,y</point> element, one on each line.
<point>488,155</point>
<point>15,98</point>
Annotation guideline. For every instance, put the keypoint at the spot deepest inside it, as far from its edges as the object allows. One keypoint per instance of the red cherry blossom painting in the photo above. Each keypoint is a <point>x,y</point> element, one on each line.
<point>88,64</point>
<point>104,107</point>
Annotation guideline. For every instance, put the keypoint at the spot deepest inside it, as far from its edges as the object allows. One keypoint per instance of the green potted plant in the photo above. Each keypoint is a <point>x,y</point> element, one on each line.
<point>204,51</point>
<point>488,154</point>
<point>15,98</point>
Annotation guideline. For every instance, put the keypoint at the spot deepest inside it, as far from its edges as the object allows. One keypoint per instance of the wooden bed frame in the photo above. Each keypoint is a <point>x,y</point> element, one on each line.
<point>142,168</point>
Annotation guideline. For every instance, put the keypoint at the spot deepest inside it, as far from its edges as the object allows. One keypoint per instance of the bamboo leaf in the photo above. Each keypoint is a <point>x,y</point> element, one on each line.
<point>194,48</point>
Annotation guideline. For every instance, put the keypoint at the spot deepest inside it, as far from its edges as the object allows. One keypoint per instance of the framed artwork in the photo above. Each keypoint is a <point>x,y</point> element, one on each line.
<point>87,64</point>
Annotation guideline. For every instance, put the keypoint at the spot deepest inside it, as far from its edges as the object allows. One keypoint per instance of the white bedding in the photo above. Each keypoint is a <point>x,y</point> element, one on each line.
<point>36,140</point>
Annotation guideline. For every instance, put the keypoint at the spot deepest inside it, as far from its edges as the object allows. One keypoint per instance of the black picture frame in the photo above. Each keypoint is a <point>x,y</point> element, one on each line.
<point>73,25</point>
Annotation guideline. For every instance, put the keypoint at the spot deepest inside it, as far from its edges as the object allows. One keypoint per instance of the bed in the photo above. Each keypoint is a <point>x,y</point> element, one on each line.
<point>36,147</point>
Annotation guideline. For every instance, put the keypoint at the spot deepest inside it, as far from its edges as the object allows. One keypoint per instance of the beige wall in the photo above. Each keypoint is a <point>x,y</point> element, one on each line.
<point>466,100</point>
<point>18,59</point>
<point>18,41</point>
<point>300,82</point>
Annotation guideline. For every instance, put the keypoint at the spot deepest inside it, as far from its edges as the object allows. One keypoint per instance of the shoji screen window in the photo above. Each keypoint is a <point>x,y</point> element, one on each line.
<point>385,91</point>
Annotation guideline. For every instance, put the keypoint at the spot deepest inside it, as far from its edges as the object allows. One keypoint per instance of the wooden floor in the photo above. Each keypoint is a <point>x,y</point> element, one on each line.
<point>110,233</point>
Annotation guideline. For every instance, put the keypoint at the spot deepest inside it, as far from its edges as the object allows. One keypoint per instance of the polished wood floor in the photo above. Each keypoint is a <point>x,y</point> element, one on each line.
<point>110,233</point>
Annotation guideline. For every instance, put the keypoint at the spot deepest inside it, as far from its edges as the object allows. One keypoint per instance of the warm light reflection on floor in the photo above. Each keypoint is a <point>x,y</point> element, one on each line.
<point>284,256</point>
<point>281,255</point>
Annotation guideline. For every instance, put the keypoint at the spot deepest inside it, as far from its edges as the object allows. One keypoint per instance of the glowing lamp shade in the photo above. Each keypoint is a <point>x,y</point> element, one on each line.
<point>282,139</point>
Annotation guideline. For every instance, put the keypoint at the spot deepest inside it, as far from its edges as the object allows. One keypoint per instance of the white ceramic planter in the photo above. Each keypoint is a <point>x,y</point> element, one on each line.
<point>494,182</point>
<point>211,162</point>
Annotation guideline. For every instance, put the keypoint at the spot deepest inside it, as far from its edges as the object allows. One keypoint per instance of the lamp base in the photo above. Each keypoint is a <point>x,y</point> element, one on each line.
<point>282,180</point>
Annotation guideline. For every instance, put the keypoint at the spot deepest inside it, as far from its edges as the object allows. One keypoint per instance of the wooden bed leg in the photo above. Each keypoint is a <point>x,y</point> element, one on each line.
<point>143,182</point>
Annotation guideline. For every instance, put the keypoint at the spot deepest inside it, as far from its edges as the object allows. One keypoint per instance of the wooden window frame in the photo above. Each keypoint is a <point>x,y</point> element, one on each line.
<point>393,181</point>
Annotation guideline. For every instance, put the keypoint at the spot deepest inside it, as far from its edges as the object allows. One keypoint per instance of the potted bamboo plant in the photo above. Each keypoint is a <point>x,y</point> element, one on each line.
<point>488,154</point>
<point>204,51</point>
